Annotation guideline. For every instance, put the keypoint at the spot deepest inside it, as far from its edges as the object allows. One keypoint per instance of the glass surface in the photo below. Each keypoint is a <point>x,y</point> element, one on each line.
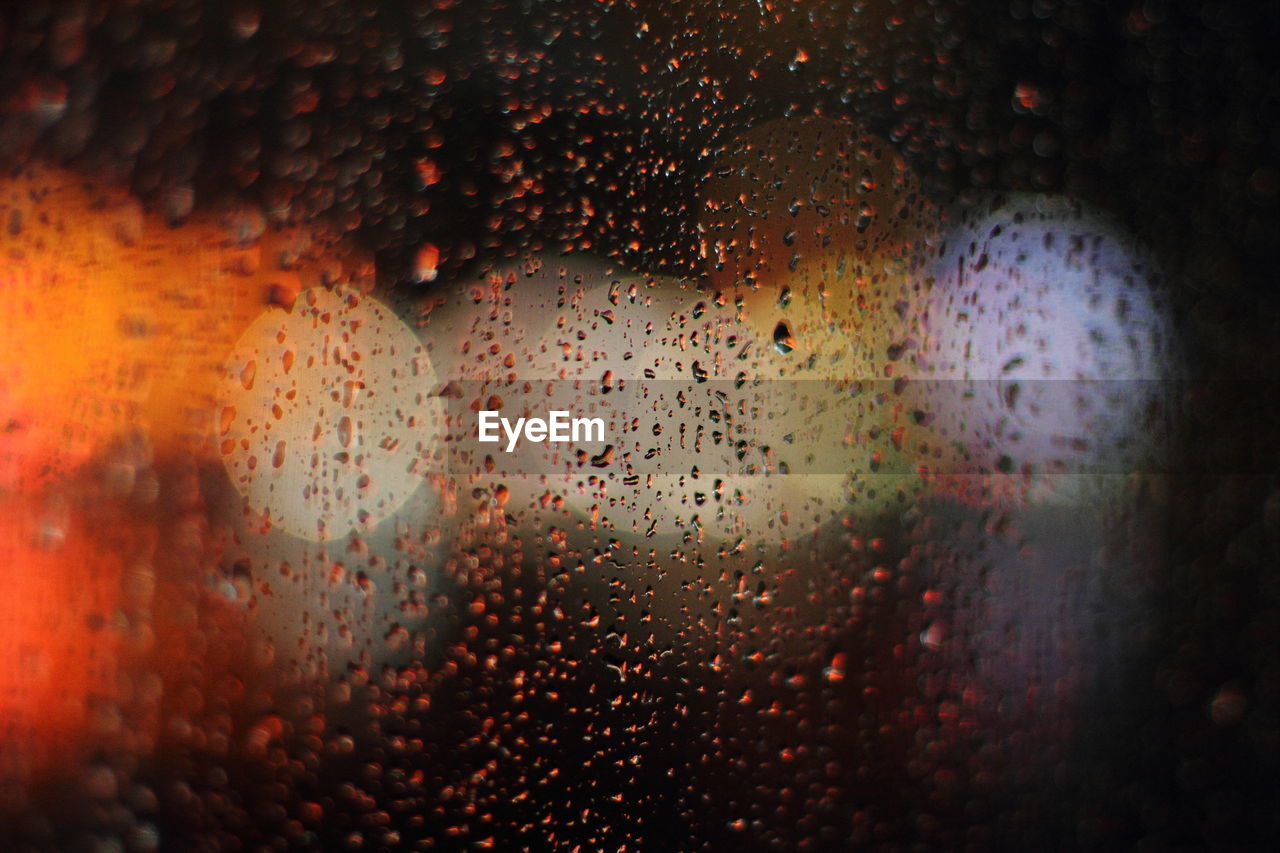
<point>649,426</point>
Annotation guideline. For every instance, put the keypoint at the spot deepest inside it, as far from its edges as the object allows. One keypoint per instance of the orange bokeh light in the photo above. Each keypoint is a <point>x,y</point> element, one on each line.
<point>114,325</point>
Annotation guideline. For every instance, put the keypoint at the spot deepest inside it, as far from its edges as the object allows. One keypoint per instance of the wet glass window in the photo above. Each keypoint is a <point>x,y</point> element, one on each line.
<point>612,425</point>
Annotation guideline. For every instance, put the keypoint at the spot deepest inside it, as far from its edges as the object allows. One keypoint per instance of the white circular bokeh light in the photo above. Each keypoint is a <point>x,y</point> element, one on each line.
<point>328,421</point>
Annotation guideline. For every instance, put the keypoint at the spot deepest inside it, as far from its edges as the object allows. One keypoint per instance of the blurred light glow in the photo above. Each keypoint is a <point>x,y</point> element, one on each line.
<point>1050,342</point>
<point>327,420</point>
